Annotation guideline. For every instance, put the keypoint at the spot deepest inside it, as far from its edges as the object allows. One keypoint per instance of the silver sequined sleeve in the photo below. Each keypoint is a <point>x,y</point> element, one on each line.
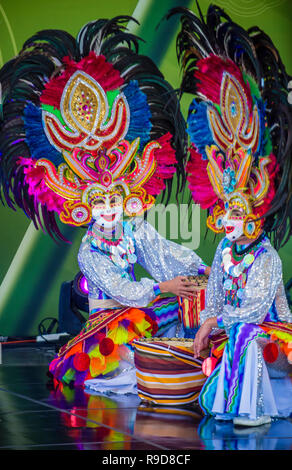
<point>214,295</point>
<point>264,285</point>
<point>103,274</point>
<point>162,258</point>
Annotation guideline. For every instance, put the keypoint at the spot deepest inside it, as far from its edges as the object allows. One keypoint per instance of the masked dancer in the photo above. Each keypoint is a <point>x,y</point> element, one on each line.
<point>240,171</point>
<point>91,134</point>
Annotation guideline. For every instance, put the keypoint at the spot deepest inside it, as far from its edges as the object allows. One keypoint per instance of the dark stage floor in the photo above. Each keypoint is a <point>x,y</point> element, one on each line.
<point>35,417</point>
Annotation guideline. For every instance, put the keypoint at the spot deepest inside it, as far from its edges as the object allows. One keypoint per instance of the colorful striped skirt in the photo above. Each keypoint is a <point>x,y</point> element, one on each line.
<point>106,338</point>
<point>255,362</point>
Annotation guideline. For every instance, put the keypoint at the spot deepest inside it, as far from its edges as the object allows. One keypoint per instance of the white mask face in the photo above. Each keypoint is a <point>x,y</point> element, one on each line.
<point>233,222</point>
<point>107,210</point>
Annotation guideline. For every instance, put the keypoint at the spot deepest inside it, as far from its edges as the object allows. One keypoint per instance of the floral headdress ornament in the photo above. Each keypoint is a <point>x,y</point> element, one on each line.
<point>239,123</point>
<point>84,117</point>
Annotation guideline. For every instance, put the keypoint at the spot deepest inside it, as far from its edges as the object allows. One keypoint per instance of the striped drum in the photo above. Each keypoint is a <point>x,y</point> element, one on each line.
<point>167,373</point>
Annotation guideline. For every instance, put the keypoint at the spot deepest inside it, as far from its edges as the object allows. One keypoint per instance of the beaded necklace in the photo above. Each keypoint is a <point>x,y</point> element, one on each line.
<point>109,237</point>
<point>236,265</point>
<point>118,245</point>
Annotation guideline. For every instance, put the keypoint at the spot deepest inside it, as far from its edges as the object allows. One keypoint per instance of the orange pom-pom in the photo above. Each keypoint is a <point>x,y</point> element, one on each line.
<point>287,348</point>
<point>289,357</point>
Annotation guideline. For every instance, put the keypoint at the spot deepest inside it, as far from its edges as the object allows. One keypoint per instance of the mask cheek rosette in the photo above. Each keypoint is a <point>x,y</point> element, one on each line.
<point>137,203</point>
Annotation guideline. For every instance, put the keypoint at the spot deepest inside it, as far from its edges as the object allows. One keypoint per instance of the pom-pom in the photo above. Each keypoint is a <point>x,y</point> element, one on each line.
<point>271,352</point>
<point>106,346</point>
<point>209,365</point>
<point>81,362</point>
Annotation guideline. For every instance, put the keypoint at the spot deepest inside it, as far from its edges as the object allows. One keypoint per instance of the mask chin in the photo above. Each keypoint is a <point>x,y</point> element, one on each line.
<point>107,219</point>
<point>233,230</point>
<point>235,235</point>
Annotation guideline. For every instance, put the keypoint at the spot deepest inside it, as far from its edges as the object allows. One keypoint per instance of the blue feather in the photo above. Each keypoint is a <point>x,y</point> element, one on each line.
<point>198,127</point>
<point>264,138</point>
<point>140,114</point>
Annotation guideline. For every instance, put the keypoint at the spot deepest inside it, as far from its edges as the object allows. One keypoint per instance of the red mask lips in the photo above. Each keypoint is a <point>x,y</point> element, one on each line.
<point>229,229</point>
<point>108,218</point>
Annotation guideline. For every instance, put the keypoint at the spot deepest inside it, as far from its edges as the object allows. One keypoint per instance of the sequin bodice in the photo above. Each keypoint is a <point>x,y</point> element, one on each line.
<point>109,271</point>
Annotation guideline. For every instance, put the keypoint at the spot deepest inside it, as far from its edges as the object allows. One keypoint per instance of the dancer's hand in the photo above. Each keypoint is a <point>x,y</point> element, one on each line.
<point>201,340</point>
<point>208,271</point>
<point>179,286</point>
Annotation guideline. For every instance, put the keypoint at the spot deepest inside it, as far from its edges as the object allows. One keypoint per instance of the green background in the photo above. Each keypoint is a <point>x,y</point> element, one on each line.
<point>32,266</point>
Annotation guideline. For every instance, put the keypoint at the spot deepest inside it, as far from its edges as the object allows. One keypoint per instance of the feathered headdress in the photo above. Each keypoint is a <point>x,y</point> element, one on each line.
<point>85,115</point>
<point>239,123</point>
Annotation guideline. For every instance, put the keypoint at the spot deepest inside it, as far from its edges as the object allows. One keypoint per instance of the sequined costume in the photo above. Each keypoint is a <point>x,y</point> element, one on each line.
<point>161,258</point>
<point>248,308</point>
<point>239,162</point>
<point>258,290</point>
<point>113,282</point>
<point>91,133</point>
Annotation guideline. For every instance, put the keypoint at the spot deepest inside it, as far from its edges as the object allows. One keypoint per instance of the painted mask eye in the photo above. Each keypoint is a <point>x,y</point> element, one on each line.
<point>116,200</point>
<point>98,203</point>
<point>236,213</point>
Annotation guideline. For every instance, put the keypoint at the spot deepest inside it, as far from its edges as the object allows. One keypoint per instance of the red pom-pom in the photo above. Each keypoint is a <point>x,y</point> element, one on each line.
<point>106,346</point>
<point>271,352</point>
<point>81,362</point>
<point>209,365</point>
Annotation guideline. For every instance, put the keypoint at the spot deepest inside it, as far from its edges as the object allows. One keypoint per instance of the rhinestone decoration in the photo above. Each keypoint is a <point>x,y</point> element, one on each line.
<point>80,214</point>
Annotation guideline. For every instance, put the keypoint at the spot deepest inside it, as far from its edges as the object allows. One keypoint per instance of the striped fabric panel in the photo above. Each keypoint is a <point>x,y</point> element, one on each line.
<point>284,327</point>
<point>95,323</point>
<point>189,309</point>
<point>166,374</point>
<point>165,312</point>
